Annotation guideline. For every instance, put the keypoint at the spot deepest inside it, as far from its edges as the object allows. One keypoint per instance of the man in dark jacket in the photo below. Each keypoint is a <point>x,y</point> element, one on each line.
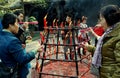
<point>11,50</point>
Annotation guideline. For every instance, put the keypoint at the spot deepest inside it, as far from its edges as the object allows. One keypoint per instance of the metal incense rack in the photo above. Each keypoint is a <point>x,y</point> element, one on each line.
<point>61,50</point>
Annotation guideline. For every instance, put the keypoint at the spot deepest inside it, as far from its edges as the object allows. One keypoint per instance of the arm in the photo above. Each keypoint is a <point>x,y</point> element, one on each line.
<point>116,74</point>
<point>94,33</point>
<point>90,48</point>
<point>19,54</point>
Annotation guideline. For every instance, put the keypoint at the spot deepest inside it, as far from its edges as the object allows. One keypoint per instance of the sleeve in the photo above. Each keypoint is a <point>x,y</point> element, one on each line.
<point>91,49</point>
<point>116,74</point>
<point>20,54</point>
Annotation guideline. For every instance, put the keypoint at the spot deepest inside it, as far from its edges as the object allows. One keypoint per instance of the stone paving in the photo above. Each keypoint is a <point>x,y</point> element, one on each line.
<point>30,46</point>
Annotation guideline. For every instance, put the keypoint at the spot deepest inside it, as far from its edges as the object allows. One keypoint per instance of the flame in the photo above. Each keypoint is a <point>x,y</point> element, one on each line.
<point>45,21</point>
<point>45,16</point>
<point>54,20</point>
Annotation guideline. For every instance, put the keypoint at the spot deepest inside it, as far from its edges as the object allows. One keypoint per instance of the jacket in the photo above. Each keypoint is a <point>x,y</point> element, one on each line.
<point>11,51</point>
<point>110,54</point>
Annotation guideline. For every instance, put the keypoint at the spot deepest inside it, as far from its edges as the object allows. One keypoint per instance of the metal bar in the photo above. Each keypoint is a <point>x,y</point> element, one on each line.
<point>62,44</point>
<point>61,60</point>
<point>57,44</point>
<point>59,75</point>
<point>73,36</point>
<point>72,47</point>
<point>44,55</point>
<point>65,28</point>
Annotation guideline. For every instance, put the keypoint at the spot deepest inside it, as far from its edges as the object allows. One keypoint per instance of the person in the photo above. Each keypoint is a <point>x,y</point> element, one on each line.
<point>32,27</point>
<point>83,25</point>
<point>83,36</point>
<point>106,55</point>
<point>11,51</point>
<point>83,22</point>
<point>23,33</point>
<point>67,36</point>
<point>68,23</point>
<point>78,21</point>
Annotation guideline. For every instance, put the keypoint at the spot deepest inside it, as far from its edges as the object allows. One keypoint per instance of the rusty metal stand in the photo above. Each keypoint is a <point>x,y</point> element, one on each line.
<point>46,44</point>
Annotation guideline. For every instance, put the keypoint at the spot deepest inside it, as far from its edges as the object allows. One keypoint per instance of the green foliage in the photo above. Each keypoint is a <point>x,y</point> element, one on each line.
<point>5,4</point>
<point>42,3</point>
<point>1,13</point>
<point>2,1</point>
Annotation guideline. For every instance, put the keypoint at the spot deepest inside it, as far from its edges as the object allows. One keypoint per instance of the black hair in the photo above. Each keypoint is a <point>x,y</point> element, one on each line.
<point>83,18</point>
<point>17,12</point>
<point>111,13</point>
<point>78,18</point>
<point>8,18</point>
<point>70,15</point>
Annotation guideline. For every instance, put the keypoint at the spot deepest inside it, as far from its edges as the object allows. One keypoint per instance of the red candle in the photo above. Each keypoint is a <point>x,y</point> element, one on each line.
<point>61,24</point>
<point>37,67</point>
<point>45,22</point>
<point>42,38</point>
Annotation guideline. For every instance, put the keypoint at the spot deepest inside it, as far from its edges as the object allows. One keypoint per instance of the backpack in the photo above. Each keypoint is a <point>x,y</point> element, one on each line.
<point>8,72</point>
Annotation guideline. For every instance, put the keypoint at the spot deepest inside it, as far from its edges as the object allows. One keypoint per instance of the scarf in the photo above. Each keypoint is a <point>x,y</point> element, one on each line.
<point>97,57</point>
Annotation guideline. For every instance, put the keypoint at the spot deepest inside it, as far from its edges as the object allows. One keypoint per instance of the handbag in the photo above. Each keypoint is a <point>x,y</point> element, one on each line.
<point>7,72</point>
<point>94,70</point>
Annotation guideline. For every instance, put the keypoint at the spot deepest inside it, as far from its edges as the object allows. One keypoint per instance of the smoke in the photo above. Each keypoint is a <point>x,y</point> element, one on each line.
<point>90,8</point>
<point>56,11</point>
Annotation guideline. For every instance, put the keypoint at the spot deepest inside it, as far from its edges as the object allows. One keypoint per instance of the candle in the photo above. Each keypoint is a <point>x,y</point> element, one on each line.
<point>45,21</point>
<point>42,38</point>
<point>37,67</point>
<point>61,24</point>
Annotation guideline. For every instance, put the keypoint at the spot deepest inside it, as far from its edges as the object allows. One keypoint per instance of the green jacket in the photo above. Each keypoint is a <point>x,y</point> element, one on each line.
<point>110,54</point>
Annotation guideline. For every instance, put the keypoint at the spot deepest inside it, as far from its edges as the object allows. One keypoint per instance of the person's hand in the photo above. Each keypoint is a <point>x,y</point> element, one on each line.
<point>23,45</point>
<point>29,38</point>
<point>25,25</point>
<point>40,49</point>
<point>97,36</point>
<point>91,30</point>
<point>87,45</point>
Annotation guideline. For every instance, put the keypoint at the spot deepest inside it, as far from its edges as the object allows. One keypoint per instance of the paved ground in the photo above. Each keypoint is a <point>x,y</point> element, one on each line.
<point>34,44</point>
